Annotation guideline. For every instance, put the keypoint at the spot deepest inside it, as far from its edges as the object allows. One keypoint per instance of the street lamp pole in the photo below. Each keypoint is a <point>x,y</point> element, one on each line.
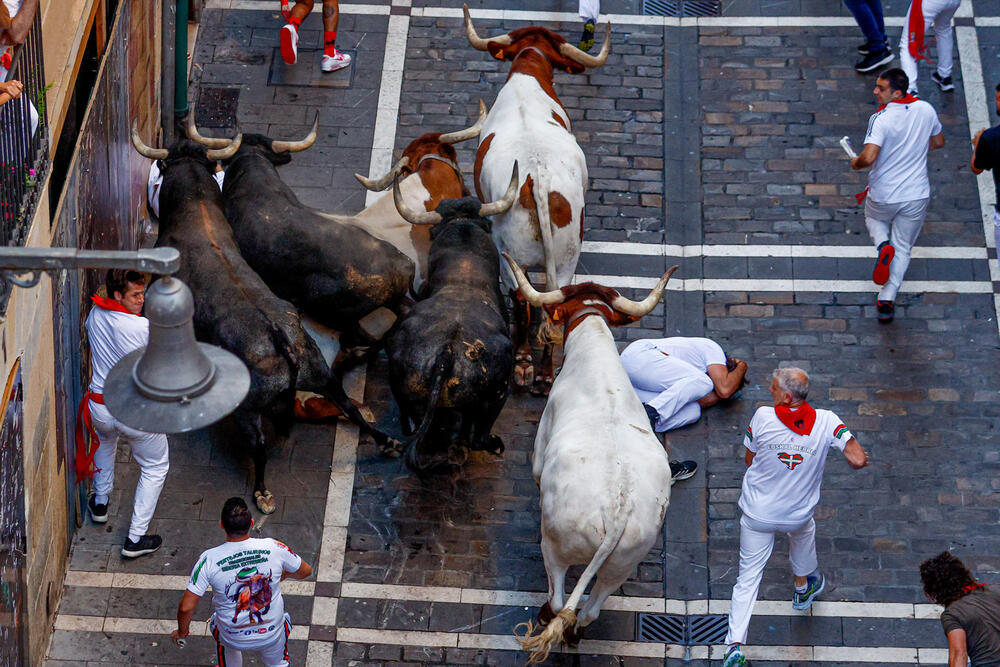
<point>172,385</point>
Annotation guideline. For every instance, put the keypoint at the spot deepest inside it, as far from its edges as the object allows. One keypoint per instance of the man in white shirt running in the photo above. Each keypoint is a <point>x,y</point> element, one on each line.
<point>786,446</point>
<point>115,328</point>
<point>245,575</point>
<point>899,136</point>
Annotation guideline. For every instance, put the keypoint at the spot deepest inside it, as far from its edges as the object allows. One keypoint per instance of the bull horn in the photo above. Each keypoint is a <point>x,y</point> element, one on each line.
<point>585,58</point>
<point>530,294</point>
<point>382,183</point>
<point>468,133</point>
<point>194,135</point>
<point>640,308</point>
<point>301,145</point>
<point>412,217</point>
<point>227,152</point>
<point>503,204</point>
<point>143,149</point>
<point>478,42</point>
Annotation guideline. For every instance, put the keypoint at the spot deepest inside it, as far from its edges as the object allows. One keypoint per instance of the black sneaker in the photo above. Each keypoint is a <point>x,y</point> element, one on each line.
<point>943,82</point>
<point>681,470</point>
<point>147,544</point>
<point>99,513</point>
<point>865,48</point>
<point>886,310</point>
<point>587,38</point>
<point>874,60</point>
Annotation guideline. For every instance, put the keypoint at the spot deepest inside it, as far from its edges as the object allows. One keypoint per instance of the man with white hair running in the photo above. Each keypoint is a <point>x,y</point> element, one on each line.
<point>786,446</point>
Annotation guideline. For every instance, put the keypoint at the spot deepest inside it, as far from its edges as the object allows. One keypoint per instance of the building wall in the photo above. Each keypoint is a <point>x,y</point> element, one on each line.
<point>28,329</point>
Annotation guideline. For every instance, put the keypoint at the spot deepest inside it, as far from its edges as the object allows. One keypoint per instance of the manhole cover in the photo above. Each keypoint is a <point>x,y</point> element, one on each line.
<point>682,8</point>
<point>306,71</point>
<point>217,107</point>
<point>685,630</point>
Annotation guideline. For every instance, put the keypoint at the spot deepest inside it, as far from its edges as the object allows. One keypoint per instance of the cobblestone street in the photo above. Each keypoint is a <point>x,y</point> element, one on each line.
<point>711,144</point>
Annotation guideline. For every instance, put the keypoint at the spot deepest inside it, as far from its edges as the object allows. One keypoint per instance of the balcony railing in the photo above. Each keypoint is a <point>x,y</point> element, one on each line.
<point>24,140</point>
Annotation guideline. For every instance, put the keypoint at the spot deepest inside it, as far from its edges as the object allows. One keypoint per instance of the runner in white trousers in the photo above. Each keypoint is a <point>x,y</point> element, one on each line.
<point>935,14</point>
<point>786,446</point>
<point>115,328</point>
<point>899,136</point>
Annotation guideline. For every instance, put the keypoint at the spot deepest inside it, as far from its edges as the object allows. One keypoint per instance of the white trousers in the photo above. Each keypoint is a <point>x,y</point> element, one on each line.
<point>590,9</point>
<point>273,653</point>
<point>996,229</point>
<point>756,545</point>
<point>667,384</point>
<point>149,450</point>
<point>900,224</point>
<point>937,15</point>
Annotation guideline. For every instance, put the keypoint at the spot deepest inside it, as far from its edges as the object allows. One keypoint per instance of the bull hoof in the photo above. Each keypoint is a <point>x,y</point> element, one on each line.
<point>545,614</point>
<point>392,449</point>
<point>265,501</point>
<point>523,371</point>
<point>542,385</point>
<point>573,636</point>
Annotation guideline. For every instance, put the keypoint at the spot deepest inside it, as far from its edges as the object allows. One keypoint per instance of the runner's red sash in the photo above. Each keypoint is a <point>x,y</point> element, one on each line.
<point>85,459</point>
<point>799,421</point>
<point>915,32</point>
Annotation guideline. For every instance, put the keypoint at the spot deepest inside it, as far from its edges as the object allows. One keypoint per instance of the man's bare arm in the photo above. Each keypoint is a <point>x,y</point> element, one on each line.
<point>867,157</point>
<point>20,25</point>
<point>302,573</point>
<point>958,649</point>
<point>185,612</point>
<point>937,141</point>
<point>856,457</point>
<point>727,382</point>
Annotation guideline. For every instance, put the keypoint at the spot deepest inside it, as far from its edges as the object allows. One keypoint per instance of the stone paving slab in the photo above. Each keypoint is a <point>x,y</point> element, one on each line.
<point>659,124</point>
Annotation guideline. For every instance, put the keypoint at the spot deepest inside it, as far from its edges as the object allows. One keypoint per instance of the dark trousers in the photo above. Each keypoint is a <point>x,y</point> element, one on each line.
<point>868,14</point>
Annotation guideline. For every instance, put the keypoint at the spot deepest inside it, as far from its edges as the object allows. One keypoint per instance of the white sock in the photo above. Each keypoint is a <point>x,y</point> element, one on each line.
<point>803,588</point>
<point>133,537</point>
<point>100,500</point>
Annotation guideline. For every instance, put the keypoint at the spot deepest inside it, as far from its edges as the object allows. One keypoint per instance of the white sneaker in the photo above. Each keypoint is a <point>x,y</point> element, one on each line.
<point>337,61</point>
<point>289,44</point>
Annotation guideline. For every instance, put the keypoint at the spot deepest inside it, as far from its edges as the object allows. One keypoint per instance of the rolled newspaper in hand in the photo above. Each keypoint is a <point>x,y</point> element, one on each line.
<point>845,143</point>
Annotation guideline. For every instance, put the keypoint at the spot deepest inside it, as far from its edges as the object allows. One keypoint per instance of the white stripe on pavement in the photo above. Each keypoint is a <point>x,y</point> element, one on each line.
<point>745,250</point>
<point>786,285</point>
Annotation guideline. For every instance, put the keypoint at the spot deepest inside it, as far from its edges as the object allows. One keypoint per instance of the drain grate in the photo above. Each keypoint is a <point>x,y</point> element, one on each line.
<point>217,107</point>
<point>682,8</point>
<point>685,630</point>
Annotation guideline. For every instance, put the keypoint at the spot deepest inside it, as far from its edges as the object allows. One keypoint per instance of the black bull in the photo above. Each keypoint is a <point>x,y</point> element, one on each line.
<point>335,273</point>
<point>450,358</point>
<point>235,309</point>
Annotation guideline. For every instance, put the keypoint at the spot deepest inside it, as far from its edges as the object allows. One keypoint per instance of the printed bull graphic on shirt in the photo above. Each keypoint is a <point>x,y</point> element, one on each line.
<point>252,594</point>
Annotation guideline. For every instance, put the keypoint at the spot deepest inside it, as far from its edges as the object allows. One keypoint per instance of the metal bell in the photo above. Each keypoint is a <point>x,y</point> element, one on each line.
<point>175,384</point>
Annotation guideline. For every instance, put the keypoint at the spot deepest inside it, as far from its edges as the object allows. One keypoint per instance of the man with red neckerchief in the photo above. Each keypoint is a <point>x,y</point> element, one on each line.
<point>115,328</point>
<point>899,136</point>
<point>786,446</point>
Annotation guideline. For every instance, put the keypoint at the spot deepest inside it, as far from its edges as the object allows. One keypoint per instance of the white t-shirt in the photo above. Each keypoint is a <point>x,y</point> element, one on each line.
<point>245,577</point>
<point>782,484</point>
<point>903,132</point>
<point>112,335</point>
<point>699,352</point>
<point>155,181</point>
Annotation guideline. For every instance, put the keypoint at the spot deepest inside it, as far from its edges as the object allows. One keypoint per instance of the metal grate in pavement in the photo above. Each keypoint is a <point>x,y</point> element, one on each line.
<point>682,8</point>
<point>685,630</point>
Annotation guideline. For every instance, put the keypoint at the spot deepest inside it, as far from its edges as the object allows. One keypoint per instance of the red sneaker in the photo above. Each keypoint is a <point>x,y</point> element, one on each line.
<point>880,274</point>
<point>289,44</point>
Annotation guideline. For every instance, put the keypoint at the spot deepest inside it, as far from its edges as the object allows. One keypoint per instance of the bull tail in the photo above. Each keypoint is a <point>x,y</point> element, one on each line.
<point>554,633</point>
<point>541,194</point>
<point>443,366</point>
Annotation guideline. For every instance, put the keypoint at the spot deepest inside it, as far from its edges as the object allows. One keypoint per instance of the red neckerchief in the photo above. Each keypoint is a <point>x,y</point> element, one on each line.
<point>905,99</point>
<point>972,587</point>
<point>110,304</point>
<point>800,421</point>
<point>6,59</point>
<point>915,32</point>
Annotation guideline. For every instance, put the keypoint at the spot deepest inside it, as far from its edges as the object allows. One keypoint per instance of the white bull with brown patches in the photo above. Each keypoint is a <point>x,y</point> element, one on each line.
<point>529,125</point>
<point>603,476</point>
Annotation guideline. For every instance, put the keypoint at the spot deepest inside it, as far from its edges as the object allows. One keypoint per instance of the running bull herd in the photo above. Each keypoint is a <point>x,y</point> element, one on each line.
<point>420,272</point>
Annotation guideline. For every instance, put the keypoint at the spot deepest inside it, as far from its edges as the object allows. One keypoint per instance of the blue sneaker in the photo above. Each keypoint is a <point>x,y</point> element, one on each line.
<point>815,583</point>
<point>734,658</point>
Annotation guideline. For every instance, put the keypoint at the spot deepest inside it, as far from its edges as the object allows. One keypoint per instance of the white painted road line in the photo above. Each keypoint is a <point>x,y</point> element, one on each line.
<point>786,285</point>
<point>388,99</point>
<point>746,250</point>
